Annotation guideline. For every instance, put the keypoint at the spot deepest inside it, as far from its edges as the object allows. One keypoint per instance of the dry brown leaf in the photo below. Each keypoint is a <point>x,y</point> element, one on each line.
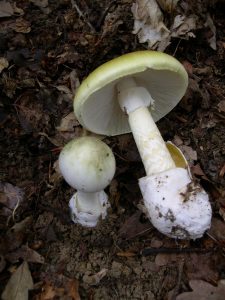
<point>26,254</point>
<point>11,197</point>
<point>16,234</point>
<point>134,227</point>
<point>96,278</point>
<point>201,266</point>
<point>203,290</point>
<point>3,63</point>
<point>6,9</point>
<point>68,123</point>
<point>72,287</point>
<point>221,106</point>
<point>217,230</point>
<point>40,3</point>
<point>22,25</point>
<point>19,284</point>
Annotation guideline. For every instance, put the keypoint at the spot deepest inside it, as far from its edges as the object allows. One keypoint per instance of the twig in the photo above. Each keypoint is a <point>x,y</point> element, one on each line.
<point>152,251</point>
<point>74,5</point>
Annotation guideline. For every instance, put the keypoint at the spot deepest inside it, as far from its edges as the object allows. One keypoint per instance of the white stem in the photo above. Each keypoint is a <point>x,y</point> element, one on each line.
<point>88,202</point>
<point>151,146</point>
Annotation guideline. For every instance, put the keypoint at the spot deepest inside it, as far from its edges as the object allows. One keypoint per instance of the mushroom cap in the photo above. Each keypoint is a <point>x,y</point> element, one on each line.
<point>87,164</point>
<point>96,105</point>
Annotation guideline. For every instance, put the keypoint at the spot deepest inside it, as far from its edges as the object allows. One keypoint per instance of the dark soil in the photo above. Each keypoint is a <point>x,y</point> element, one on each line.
<point>36,91</point>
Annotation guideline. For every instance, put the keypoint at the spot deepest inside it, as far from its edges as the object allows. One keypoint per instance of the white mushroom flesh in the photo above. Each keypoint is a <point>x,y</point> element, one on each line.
<point>134,101</point>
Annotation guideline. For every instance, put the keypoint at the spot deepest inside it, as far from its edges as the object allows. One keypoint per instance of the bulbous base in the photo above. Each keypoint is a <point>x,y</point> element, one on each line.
<point>85,214</point>
<point>177,206</point>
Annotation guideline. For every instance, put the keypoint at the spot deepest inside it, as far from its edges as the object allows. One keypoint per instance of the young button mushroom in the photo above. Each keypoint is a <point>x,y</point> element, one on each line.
<point>88,165</point>
<point>131,93</point>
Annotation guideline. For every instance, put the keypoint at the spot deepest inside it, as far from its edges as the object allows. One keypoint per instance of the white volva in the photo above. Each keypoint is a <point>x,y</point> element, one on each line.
<point>176,205</point>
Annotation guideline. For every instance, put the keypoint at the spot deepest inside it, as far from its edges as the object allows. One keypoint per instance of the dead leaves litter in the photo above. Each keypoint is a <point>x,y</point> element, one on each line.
<point>203,290</point>
<point>19,284</point>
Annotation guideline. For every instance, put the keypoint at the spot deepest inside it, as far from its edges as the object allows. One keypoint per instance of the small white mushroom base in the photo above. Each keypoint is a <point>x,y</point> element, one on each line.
<point>85,216</point>
<point>177,207</point>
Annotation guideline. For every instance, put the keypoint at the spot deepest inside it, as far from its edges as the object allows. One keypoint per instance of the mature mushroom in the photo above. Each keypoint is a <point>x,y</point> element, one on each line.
<point>88,165</point>
<point>131,93</point>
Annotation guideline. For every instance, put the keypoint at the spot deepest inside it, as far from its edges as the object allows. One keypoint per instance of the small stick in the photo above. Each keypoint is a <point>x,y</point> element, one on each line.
<point>152,251</point>
<point>74,5</point>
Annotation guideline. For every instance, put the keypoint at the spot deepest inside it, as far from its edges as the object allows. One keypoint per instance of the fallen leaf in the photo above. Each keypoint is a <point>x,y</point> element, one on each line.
<point>3,63</point>
<point>15,235</point>
<point>203,290</point>
<point>72,289</point>
<point>221,106</point>
<point>21,25</point>
<point>217,230</point>
<point>11,197</point>
<point>19,284</point>
<point>96,278</point>
<point>201,266</point>
<point>59,287</point>
<point>25,253</point>
<point>6,9</point>
<point>133,226</point>
<point>212,38</point>
<point>40,3</point>
<point>68,123</point>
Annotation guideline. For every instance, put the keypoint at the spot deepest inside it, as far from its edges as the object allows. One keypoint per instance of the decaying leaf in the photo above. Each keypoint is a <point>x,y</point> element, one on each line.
<point>16,234</point>
<point>19,284</point>
<point>3,63</point>
<point>62,288</point>
<point>96,278</point>
<point>40,3</point>
<point>203,290</point>
<point>212,39</point>
<point>6,9</point>
<point>21,25</point>
<point>221,106</point>
<point>217,230</point>
<point>11,197</point>
<point>26,254</point>
<point>68,123</point>
<point>134,227</point>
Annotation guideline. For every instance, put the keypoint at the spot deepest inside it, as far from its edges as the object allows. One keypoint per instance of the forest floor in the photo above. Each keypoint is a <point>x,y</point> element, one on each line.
<point>46,49</point>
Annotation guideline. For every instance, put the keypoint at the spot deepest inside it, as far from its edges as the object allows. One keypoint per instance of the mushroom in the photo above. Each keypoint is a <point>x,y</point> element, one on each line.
<point>131,93</point>
<point>88,165</point>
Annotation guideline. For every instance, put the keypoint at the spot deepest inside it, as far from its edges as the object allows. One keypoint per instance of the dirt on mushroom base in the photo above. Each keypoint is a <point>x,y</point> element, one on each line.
<point>36,93</point>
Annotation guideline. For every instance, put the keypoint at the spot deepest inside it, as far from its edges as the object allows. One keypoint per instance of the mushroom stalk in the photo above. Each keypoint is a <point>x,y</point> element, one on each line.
<point>153,151</point>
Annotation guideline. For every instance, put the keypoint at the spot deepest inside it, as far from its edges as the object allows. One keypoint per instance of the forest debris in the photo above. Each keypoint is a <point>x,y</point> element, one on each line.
<point>59,287</point>
<point>134,227</point>
<point>3,63</point>
<point>16,234</point>
<point>19,284</point>
<point>203,290</point>
<point>68,123</point>
<point>217,230</point>
<point>21,25</point>
<point>96,278</point>
<point>40,3</point>
<point>25,253</point>
<point>2,263</point>
<point>11,197</point>
<point>6,9</point>
<point>212,38</point>
<point>150,27</point>
<point>221,106</point>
